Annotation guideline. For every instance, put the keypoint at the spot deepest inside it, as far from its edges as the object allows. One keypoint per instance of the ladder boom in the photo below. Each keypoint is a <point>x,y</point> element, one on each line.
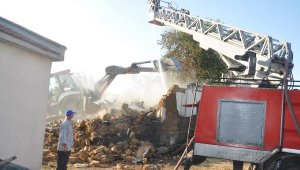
<point>260,56</point>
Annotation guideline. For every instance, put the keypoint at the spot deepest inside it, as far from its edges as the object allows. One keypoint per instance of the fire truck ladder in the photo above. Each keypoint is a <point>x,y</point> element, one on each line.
<point>246,54</point>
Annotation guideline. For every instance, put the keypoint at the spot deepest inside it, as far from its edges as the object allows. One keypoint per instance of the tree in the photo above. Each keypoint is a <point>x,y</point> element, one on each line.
<point>196,63</point>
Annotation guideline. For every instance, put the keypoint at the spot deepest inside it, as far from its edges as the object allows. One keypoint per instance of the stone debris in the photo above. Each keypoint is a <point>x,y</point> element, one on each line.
<point>101,141</point>
<point>123,136</point>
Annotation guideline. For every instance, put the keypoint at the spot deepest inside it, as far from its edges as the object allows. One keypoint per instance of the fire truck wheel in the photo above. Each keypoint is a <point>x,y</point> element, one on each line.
<point>283,161</point>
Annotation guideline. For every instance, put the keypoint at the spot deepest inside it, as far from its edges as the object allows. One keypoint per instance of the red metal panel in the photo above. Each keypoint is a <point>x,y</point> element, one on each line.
<point>206,126</point>
<point>291,139</point>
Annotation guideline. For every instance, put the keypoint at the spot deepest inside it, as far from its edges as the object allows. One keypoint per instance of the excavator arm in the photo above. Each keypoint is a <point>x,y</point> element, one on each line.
<point>112,71</point>
<point>247,54</point>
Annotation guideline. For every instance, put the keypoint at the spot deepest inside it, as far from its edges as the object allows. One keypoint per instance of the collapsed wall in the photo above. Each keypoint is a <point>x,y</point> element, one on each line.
<point>172,128</point>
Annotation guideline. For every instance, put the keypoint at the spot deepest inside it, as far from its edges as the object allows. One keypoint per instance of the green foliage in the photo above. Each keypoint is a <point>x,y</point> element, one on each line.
<point>196,63</point>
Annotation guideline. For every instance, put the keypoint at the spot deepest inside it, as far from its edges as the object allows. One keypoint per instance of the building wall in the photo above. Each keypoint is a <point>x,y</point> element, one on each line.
<point>24,82</point>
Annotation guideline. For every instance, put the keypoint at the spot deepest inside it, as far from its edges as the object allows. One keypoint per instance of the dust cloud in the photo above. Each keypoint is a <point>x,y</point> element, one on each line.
<point>128,88</point>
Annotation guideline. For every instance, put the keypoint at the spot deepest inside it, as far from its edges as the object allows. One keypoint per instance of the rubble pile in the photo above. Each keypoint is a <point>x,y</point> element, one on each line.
<point>123,136</point>
<point>103,140</point>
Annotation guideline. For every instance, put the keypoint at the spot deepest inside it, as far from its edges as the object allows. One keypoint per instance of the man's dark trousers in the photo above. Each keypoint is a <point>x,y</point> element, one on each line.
<point>62,159</point>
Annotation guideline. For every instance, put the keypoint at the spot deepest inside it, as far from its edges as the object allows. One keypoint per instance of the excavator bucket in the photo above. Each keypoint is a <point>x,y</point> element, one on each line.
<point>171,64</point>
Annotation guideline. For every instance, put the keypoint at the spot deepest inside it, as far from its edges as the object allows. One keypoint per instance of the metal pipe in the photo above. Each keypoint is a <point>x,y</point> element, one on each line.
<point>288,99</point>
<point>282,119</point>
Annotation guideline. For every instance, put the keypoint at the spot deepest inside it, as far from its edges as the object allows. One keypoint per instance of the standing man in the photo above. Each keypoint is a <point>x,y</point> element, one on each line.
<point>65,141</point>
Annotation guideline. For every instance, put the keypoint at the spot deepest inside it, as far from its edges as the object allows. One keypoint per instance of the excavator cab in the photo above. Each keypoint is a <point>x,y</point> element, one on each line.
<point>63,93</point>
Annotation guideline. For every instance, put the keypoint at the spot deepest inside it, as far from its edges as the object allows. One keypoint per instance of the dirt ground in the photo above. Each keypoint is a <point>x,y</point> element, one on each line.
<point>209,164</point>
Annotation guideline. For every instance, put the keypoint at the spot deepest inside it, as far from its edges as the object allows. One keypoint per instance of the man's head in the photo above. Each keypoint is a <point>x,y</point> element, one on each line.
<point>70,113</point>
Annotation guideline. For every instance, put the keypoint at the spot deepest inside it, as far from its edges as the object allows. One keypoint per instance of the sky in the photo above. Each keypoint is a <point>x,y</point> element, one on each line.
<point>99,33</point>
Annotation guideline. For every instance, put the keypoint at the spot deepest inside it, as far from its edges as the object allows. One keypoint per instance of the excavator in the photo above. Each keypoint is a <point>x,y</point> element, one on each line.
<point>255,118</point>
<point>64,93</point>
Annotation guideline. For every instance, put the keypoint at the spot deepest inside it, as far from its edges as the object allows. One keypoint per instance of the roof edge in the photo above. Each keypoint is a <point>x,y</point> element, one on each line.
<point>19,36</point>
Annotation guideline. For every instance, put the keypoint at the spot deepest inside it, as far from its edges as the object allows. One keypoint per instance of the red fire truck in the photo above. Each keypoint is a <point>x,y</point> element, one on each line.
<point>255,119</point>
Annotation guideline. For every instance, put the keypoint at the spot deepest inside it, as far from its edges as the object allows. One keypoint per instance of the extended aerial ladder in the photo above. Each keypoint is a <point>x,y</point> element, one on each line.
<point>247,54</point>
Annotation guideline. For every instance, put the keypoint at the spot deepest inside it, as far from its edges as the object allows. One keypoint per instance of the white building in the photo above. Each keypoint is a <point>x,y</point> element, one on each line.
<point>25,66</point>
